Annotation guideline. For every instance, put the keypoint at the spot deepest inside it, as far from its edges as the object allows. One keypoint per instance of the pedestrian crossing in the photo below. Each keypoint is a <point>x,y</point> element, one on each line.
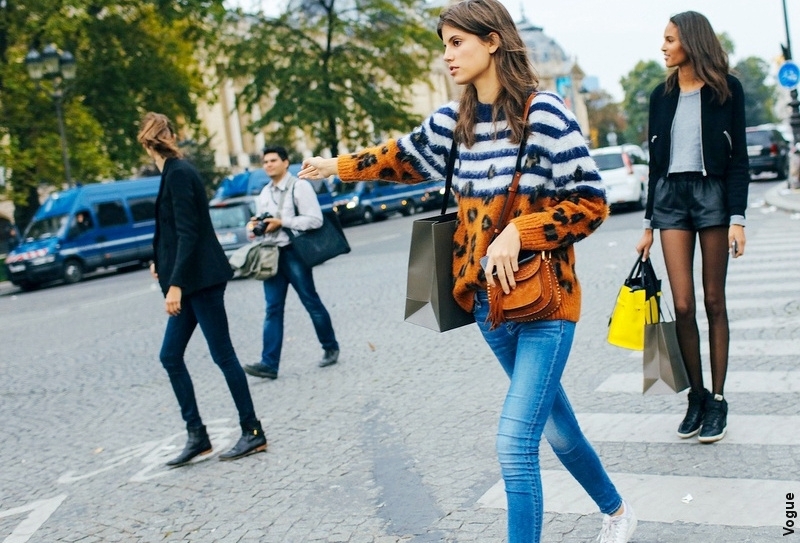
<point>789,348</point>
<point>669,498</point>
<point>763,300</point>
<point>736,381</point>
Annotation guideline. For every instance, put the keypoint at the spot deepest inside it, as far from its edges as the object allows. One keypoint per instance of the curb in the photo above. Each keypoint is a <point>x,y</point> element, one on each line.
<point>6,287</point>
<point>783,198</point>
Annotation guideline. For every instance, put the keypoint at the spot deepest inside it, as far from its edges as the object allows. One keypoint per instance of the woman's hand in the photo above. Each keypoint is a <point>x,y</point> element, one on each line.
<point>319,168</point>
<point>503,255</point>
<point>643,247</point>
<point>153,271</point>
<point>173,302</point>
<point>736,240</point>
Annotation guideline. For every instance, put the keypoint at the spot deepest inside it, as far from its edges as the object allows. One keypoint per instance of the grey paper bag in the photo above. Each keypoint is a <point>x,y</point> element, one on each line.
<point>429,290</point>
<point>664,372</point>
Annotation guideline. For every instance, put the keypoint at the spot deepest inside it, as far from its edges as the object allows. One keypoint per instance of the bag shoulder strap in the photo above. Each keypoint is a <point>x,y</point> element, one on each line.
<point>512,189</point>
<point>289,188</point>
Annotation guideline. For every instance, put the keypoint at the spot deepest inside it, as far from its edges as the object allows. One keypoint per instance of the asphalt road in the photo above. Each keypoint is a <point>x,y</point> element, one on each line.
<point>396,442</point>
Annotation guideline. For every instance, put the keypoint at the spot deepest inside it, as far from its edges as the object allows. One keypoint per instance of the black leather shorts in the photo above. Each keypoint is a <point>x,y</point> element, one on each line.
<point>689,201</point>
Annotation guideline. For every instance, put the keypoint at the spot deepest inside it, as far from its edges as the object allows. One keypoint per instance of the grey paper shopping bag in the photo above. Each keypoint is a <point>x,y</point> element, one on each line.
<point>429,290</point>
<point>664,372</point>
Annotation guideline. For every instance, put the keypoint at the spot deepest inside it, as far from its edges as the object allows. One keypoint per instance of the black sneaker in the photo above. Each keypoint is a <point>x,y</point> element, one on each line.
<point>330,358</point>
<point>260,370</point>
<point>715,422</point>
<point>694,414</point>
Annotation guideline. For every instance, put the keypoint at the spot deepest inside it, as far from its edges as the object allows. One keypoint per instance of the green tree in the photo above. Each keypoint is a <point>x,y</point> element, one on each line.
<point>132,56</point>
<point>605,117</point>
<point>638,85</point>
<point>726,42</point>
<point>342,71</point>
<point>759,98</point>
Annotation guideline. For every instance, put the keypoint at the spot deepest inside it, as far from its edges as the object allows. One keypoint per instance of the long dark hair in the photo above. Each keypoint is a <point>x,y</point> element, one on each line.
<point>706,55</point>
<point>514,69</point>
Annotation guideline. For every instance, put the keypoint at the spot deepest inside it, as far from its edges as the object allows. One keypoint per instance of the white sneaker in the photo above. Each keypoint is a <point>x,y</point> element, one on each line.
<point>618,529</point>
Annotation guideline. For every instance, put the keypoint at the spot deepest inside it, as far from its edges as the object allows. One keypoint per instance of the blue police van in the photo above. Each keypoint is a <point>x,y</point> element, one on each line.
<point>81,229</point>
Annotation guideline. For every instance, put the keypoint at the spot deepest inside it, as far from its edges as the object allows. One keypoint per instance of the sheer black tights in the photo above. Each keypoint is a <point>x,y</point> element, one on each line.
<point>678,247</point>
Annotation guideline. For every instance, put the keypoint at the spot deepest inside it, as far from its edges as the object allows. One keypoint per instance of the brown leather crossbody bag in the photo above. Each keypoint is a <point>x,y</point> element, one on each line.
<point>538,293</point>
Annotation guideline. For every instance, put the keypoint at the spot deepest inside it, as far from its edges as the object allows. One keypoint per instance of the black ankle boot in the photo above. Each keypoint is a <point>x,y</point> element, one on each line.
<point>197,444</point>
<point>694,414</point>
<point>252,441</point>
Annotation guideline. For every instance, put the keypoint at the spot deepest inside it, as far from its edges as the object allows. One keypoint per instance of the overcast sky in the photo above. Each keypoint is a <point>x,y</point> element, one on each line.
<point>608,37</point>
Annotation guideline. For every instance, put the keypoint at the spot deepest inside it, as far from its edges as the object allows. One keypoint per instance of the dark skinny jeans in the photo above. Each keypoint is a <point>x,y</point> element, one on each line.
<point>206,308</point>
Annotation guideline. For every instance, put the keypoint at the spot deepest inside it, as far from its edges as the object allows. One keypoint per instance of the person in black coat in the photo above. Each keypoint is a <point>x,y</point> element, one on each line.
<point>193,271</point>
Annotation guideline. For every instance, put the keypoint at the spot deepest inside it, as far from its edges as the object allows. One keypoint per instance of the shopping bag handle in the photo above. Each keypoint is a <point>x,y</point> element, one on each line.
<point>649,278</point>
<point>636,271</point>
<point>451,163</point>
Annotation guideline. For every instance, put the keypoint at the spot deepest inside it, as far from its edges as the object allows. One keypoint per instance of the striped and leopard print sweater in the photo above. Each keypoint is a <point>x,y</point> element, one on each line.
<point>560,199</point>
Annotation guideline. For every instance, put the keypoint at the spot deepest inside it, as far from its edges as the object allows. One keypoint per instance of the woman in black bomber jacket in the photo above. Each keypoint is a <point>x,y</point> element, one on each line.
<point>193,271</point>
<point>698,190</point>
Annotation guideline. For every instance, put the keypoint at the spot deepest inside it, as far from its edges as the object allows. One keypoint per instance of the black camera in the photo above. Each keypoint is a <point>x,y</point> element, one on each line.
<point>260,228</point>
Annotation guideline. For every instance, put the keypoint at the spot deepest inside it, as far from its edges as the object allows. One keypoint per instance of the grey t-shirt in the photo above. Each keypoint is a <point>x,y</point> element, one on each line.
<point>685,155</point>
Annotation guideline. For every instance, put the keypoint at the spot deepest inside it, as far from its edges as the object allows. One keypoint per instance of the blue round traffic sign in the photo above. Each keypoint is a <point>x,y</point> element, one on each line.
<point>789,75</point>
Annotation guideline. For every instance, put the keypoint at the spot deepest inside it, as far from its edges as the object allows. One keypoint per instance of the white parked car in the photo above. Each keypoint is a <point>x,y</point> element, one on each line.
<point>624,171</point>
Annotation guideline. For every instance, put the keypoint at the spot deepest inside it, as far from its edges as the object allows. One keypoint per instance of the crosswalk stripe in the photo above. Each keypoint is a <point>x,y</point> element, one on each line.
<point>772,382</point>
<point>770,323</point>
<point>751,347</point>
<point>783,286</point>
<point>773,248</point>
<point>757,276</point>
<point>661,428</point>
<point>749,303</point>
<point>659,498</point>
<point>760,347</point>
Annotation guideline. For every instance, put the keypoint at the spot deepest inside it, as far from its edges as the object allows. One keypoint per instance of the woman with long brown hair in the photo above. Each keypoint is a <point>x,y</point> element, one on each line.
<point>560,201</point>
<point>698,191</point>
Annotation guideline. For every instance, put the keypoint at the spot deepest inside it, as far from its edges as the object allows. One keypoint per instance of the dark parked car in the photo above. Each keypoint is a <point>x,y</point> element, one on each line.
<point>433,195</point>
<point>768,151</point>
<point>366,201</point>
<point>230,218</point>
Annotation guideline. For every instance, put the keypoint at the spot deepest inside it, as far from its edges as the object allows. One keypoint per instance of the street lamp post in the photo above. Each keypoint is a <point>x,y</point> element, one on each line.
<point>794,104</point>
<point>58,67</point>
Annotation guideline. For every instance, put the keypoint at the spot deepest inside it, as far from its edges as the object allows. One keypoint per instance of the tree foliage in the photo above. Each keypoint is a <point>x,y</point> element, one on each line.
<point>339,69</point>
<point>638,85</point>
<point>605,117</point>
<point>759,98</point>
<point>132,56</point>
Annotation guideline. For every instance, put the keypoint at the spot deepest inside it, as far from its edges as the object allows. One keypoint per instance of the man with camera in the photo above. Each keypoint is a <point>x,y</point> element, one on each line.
<point>288,203</point>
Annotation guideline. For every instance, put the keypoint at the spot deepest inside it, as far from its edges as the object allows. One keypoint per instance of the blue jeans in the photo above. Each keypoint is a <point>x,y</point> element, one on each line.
<point>533,355</point>
<point>292,271</point>
<point>207,308</point>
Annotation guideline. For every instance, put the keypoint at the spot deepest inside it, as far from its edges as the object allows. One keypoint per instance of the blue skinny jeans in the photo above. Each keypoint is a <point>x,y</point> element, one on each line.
<point>292,271</point>
<point>207,308</point>
<point>533,355</point>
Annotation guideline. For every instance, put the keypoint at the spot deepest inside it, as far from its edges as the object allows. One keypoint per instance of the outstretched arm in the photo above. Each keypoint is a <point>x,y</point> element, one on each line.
<point>319,168</point>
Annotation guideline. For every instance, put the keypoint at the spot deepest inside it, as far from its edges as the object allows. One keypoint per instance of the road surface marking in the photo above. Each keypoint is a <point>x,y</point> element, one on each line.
<point>658,498</point>
<point>736,381</point>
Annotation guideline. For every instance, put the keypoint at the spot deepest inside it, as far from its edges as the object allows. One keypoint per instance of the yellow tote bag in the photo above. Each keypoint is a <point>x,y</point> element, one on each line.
<point>637,304</point>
